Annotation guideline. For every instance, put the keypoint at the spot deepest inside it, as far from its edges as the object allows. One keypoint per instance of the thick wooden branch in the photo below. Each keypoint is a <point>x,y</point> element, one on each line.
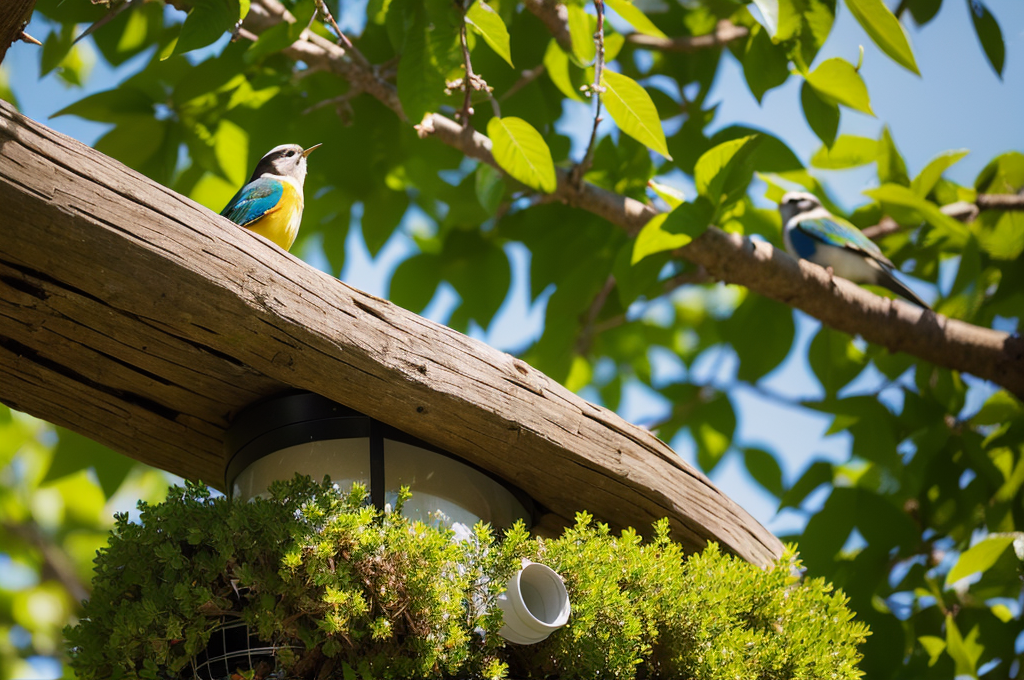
<point>145,321</point>
<point>945,342</point>
<point>555,16</point>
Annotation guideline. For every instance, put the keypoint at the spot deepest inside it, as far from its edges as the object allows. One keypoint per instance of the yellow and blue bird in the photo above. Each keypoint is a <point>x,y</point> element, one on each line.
<point>270,204</point>
<point>811,232</point>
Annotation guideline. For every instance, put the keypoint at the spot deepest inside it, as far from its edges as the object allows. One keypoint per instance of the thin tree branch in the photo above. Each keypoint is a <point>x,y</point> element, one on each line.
<point>1000,202</point>
<point>587,334</point>
<point>467,80</point>
<point>986,353</point>
<point>725,32</point>
<point>525,79</point>
<point>343,40</point>
<point>961,210</point>
<point>595,91</point>
<point>471,81</point>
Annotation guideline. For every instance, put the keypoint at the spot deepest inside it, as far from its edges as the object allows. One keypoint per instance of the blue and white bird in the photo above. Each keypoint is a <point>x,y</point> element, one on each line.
<point>810,231</point>
<point>270,204</point>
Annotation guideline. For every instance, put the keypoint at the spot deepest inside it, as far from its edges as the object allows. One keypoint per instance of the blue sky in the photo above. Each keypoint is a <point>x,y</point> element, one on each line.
<point>958,102</point>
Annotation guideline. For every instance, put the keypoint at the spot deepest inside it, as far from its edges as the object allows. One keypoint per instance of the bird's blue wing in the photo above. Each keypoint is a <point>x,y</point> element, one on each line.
<point>254,200</point>
<point>842,234</point>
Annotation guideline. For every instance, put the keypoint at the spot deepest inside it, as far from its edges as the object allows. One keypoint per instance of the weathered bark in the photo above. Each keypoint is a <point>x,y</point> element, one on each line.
<point>136,317</point>
<point>13,18</point>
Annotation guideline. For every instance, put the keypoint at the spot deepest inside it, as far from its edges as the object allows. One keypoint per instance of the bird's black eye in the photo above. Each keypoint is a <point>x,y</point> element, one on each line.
<point>291,152</point>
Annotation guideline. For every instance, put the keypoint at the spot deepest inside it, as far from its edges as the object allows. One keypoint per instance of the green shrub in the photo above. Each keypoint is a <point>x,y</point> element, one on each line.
<point>354,593</point>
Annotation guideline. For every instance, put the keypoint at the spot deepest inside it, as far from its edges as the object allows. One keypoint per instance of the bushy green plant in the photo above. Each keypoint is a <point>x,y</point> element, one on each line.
<point>355,593</point>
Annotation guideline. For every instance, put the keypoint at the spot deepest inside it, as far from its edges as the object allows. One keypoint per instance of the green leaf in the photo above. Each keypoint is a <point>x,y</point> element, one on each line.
<point>765,64</point>
<point>75,452</point>
<point>490,187</point>
<point>521,152</point>
<point>759,353</point>
<point>1001,233</point>
<point>933,646</point>
<point>668,231</point>
<point>717,170</point>
<point>999,408</point>
<point>1004,174</point>
<point>581,33</point>
<point>134,141</point>
<point>849,151</point>
<point>556,63</point>
<point>55,48</point>
<point>636,18</point>
<point>765,470</point>
<point>488,23</point>
<point>965,652</point>
<point>885,30</point>
<point>206,23</point>
<point>835,359</point>
<point>821,115</point>
<point>837,81</point>
<point>633,111</point>
<point>990,35</point>
<point>926,180</point>
<point>712,425</point>
<point>674,197</point>
<point>430,51</point>
<point>111,106</point>
<point>231,147</point>
<point>903,197</point>
<point>923,11</point>
<point>415,281</point>
<point>891,167</point>
<point>818,473</point>
<point>271,41</point>
<point>382,213</point>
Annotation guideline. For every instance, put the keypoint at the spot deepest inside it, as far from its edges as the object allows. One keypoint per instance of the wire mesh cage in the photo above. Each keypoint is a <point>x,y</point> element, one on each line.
<point>233,647</point>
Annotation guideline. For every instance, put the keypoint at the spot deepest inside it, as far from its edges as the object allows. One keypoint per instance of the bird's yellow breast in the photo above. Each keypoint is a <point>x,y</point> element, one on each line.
<point>281,225</point>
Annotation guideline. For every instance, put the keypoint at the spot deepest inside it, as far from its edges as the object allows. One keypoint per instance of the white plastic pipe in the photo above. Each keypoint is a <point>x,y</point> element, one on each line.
<point>534,605</point>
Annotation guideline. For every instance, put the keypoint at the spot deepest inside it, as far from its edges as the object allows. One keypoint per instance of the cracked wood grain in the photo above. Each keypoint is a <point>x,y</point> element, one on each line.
<point>145,321</point>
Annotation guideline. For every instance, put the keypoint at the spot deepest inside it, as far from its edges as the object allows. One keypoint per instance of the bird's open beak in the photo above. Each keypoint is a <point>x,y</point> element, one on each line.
<point>310,150</point>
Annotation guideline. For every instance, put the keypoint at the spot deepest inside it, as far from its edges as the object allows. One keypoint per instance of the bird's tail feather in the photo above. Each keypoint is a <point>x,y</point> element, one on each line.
<point>887,280</point>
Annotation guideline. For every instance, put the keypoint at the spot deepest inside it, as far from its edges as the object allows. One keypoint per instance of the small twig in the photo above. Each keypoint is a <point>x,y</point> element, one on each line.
<point>471,82</point>
<point>343,40</point>
<point>725,32</point>
<point>25,37</point>
<point>239,32</point>
<point>595,90</point>
<point>526,78</point>
<point>587,334</point>
<point>467,80</point>
<point>341,101</point>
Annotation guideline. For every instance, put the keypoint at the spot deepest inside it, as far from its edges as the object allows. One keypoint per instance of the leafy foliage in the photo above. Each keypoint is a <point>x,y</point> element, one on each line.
<point>352,591</point>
